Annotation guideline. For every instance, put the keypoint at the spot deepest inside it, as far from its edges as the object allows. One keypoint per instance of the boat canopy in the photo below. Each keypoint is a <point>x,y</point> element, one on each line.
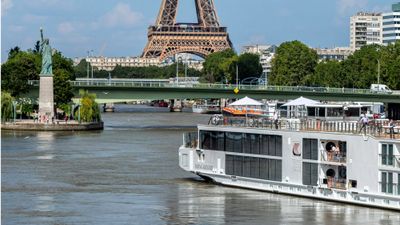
<point>246,101</point>
<point>301,102</point>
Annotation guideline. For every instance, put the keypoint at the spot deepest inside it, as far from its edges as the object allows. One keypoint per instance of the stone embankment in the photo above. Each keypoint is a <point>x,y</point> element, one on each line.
<point>30,125</point>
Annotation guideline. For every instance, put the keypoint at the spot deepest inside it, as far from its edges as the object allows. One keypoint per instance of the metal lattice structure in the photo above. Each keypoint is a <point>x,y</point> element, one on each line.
<point>167,37</point>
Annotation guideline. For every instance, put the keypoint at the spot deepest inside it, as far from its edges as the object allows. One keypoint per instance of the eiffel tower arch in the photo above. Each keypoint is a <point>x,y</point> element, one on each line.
<point>167,37</point>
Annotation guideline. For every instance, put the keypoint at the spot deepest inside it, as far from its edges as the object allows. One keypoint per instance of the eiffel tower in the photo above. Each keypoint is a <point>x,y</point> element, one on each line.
<point>167,37</point>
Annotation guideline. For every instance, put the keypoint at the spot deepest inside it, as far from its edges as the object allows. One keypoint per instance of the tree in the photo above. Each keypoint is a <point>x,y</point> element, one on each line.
<point>217,66</point>
<point>89,109</point>
<point>390,65</point>
<point>62,87</point>
<point>327,74</point>
<point>17,71</point>
<point>293,62</point>
<point>361,68</point>
<point>13,52</point>
<point>6,106</point>
<point>249,66</point>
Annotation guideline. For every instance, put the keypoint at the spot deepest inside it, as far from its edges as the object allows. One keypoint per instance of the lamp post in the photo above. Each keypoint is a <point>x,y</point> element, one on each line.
<point>87,67</point>
<point>237,75</point>
<point>92,65</point>
<point>186,67</point>
<point>379,70</point>
<point>177,59</point>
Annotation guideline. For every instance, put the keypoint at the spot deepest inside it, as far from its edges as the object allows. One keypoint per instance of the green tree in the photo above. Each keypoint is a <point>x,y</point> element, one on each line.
<point>62,87</point>
<point>6,106</point>
<point>217,66</point>
<point>17,71</point>
<point>13,52</point>
<point>292,64</point>
<point>390,66</point>
<point>249,66</point>
<point>89,109</point>
<point>327,74</point>
<point>361,68</point>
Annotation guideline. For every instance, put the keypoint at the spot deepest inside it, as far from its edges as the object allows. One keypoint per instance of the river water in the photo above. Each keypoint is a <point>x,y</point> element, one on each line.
<point>129,174</point>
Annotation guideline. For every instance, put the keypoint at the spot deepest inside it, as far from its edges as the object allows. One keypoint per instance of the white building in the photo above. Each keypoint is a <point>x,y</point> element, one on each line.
<point>338,53</point>
<point>109,63</point>
<point>266,53</point>
<point>391,25</point>
<point>365,29</point>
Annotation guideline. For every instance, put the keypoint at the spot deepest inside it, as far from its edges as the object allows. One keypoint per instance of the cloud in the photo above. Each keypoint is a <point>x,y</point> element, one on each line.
<point>346,6</point>
<point>16,28</point>
<point>5,6</point>
<point>121,15</point>
<point>65,28</point>
<point>31,18</point>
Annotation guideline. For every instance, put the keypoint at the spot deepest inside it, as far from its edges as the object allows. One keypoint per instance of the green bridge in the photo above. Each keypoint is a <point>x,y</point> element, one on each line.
<point>113,92</point>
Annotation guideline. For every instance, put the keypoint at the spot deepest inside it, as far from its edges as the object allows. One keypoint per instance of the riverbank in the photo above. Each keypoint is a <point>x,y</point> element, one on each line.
<point>30,125</point>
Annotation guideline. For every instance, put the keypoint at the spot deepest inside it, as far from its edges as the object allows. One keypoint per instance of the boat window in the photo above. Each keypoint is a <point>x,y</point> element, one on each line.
<point>321,112</point>
<point>246,167</point>
<point>311,111</point>
<point>233,142</point>
<point>267,169</point>
<point>251,144</point>
<point>310,148</point>
<point>335,112</point>
<point>387,182</point>
<point>387,154</point>
<point>212,140</point>
<point>352,112</point>
<point>310,174</point>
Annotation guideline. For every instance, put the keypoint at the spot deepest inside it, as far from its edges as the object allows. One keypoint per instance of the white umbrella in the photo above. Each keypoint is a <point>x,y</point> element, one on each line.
<point>301,102</point>
<point>246,101</point>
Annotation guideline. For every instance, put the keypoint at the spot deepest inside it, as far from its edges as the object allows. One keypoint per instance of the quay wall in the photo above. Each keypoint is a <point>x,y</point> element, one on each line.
<point>52,127</point>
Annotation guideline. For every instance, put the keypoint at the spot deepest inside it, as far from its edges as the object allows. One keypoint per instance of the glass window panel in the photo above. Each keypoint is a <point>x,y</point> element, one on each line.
<point>390,183</point>
<point>306,149</point>
<point>306,173</point>
<point>238,165</point>
<point>229,165</point>
<point>278,142</point>
<point>314,149</point>
<point>271,145</point>
<point>390,155</point>
<point>271,169</point>
<point>246,167</point>
<point>278,169</point>
<point>254,168</point>
<point>384,154</point>
<point>383,182</point>
<point>264,145</point>
<point>264,169</point>
<point>255,143</point>
<point>314,174</point>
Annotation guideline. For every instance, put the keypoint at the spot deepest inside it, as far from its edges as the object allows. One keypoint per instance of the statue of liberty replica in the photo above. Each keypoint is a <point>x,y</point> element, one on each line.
<point>46,90</point>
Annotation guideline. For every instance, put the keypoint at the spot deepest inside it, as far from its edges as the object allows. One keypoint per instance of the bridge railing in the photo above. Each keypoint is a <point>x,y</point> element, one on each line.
<point>152,84</point>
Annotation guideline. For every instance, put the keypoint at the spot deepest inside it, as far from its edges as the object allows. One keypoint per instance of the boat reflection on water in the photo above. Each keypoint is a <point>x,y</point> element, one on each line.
<point>200,202</point>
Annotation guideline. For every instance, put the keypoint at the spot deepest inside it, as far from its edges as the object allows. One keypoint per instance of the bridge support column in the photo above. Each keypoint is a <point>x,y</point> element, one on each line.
<point>176,105</point>
<point>393,111</point>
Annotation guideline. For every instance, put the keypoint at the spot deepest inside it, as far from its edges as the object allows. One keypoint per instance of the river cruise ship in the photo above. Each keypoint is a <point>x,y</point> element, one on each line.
<point>330,160</point>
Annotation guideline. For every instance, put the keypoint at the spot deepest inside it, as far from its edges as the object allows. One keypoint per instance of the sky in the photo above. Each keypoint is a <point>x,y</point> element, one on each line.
<point>119,27</point>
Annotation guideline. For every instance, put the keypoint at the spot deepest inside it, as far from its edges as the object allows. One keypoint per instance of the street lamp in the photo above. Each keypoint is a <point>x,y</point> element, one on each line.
<point>92,65</point>
<point>177,67</point>
<point>87,67</point>
<point>379,70</point>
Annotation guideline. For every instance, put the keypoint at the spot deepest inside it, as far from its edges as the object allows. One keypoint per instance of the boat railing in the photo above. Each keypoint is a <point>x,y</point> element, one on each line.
<point>190,139</point>
<point>374,128</point>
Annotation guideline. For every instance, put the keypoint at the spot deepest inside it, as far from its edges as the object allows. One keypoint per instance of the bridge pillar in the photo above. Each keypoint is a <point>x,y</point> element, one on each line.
<point>393,111</point>
<point>176,105</point>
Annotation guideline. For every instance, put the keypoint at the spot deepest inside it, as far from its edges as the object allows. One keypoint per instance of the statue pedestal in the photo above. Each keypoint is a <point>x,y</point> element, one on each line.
<point>46,96</point>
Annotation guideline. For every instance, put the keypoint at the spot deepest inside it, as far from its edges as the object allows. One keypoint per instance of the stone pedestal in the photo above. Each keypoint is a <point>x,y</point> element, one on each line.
<point>46,96</point>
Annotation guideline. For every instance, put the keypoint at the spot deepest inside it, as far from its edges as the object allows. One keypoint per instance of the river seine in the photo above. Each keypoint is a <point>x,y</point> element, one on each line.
<point>129,174</point>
